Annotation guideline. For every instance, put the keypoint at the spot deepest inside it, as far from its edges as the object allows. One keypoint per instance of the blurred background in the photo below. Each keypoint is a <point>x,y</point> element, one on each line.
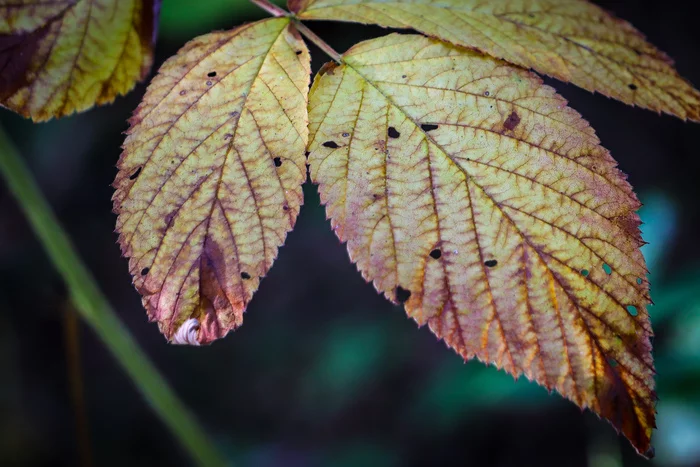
<point>325,372</point>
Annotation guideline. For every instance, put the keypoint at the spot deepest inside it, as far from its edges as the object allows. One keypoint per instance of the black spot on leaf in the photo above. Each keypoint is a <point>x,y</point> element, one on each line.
<point>436,254</point>
<point>428,127</point>
<point>245,275</point>
<point>298,52</point>
<point>144,271</point>
<point>331,144</point>
<point>633,87</point>
<point>135,174</point>
<point>211,74</point>
<point>490,263</point>
<point>393,133</point>
<point>278,161</point>
<point>402,295</point>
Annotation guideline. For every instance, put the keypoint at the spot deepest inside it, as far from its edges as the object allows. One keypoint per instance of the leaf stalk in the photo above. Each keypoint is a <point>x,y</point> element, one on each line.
<point>274,10</point>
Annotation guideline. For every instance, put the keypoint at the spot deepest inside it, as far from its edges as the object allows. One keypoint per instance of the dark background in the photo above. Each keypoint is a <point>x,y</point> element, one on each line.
<point>325,372</point>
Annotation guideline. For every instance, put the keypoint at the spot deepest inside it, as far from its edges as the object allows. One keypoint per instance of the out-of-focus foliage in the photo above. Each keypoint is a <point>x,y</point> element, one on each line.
<point>179,19</point>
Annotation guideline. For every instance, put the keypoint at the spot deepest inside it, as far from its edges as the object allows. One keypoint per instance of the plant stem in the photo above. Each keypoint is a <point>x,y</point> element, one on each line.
<point>95,309</point>
<point>274,10</point>
<point>320,43</point>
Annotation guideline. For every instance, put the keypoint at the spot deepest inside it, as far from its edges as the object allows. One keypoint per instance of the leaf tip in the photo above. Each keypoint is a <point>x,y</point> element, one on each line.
<point>187,333</point>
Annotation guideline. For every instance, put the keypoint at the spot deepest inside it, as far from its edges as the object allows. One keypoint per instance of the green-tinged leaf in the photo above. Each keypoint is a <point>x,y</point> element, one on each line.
<point>572,40</point>
<point>59,57</point>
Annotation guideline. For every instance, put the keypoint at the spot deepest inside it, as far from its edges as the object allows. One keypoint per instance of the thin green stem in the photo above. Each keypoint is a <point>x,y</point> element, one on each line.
<point>95,309</point>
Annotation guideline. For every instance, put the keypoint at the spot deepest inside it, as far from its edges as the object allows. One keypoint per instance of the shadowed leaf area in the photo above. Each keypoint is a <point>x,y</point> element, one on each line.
<point>210,178</point>
<point>60,57</point>
<point>469,191</point>
<point>571,40</point>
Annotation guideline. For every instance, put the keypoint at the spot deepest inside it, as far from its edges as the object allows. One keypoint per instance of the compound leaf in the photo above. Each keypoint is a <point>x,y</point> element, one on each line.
<point>210,178</point>
<point>59,57</point>
<point>572,40</point>
<point>469,191</point>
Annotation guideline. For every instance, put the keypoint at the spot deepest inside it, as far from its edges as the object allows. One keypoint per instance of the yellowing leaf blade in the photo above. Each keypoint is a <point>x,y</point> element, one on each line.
<point>469,191</point>
<point>572,40</point>
<point>17,16</point>
<point>210,178</point>
<point>64,57</point>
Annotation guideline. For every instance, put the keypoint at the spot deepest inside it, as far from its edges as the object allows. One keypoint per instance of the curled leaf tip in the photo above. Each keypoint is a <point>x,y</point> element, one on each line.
<point>187,333</point>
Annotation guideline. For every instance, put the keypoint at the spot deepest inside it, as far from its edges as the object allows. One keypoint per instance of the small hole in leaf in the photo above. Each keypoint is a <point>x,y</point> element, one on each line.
<point>393,133</point>
<point>428,127</point>
<point>135,174</point>
<point>584,272</point>
<point>285,207</point>
<point>331,144</point>
<point>607,269</point>
<point>307,153</point>
<point>436,254</point>
<point>403,76</point>
<point>639,281</point>
<point>234,113</point>
<point>183,92</point>
<point>278,161</point>
<point>487,94</point>
<point>211,74</point>
<point>402,295</point>
<point>345,135</point>
<point>632,310</point>
<point>633,87</point>
<point>612,362</point>
<point>144,271</point>
<point>490,263</point>
<point>298,52</point>
<point>209,83</point>
<point>245,275</point>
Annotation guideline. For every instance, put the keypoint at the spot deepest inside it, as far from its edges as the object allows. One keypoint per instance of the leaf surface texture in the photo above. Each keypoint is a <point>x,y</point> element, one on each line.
<point>61,57</point>
<point>210,179</point>
<point>469,191</point>
<point>572,40</point>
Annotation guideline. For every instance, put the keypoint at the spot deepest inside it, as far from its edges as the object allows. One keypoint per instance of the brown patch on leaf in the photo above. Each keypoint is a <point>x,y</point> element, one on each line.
<point>512,121</point>
<point>328,68</point>
<point>16,52</point>
<point>295,6</point>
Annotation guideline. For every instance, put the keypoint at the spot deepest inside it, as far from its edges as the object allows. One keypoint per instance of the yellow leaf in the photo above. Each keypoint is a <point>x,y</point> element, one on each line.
<point>62,57</point>
<point>27,15</point>
<point>572,40</point>
<point>470,192</point>
<point>210,179</point>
